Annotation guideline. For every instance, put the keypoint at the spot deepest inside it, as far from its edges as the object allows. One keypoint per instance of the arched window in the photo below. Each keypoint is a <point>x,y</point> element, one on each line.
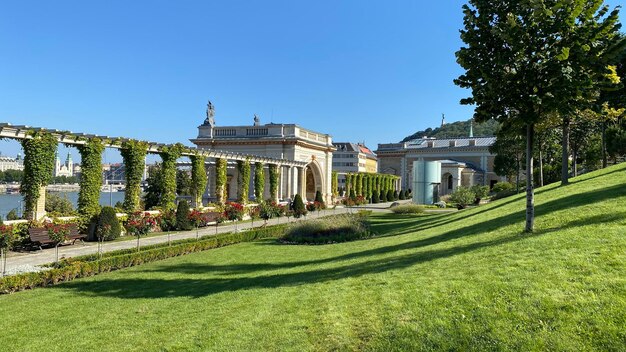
<point>450,181</point>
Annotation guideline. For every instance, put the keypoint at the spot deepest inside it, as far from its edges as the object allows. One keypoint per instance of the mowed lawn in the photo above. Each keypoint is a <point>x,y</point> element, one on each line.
<point>466,281</point>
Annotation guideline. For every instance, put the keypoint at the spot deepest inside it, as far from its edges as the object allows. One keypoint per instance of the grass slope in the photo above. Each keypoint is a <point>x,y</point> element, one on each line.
<point>464,281</point>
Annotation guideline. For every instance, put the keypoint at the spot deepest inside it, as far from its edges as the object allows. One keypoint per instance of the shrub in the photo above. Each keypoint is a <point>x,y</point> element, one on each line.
<point>375,198</point>
<point>319,199</point>
<point>395,195</point>
<point>408,209</point>
<point>463,197</point>
<point>182,216</point>
<point>332,229</point>
<point>390,196</point>
<point>402,195</point>
<point>109,224</point>
<point>480,192</point>
<point>502,186</point>
<point>12,215</point>
<point>298,206</point>
<point>93,264</point>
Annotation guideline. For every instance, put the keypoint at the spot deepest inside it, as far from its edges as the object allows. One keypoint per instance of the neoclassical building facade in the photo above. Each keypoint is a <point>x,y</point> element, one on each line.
<point>278,141</point>
<point>464,161</point>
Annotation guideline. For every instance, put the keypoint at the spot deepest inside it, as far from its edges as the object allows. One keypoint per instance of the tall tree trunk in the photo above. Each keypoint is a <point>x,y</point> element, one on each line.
<point>604,160</point>
<point>530,193</point>
<point>565,152</point>
<point>517,179</point>
<point>540,167</point>
<point>574,163</point>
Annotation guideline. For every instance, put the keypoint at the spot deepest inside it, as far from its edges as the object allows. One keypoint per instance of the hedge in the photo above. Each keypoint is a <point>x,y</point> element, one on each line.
<point>89,265</point>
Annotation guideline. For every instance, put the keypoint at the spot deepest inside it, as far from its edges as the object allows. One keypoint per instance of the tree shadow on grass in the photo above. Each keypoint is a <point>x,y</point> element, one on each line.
<point>138,288</point>
<point>392,259</point>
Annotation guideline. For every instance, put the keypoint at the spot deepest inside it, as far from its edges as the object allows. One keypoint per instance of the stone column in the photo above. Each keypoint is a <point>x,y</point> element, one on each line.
<point>289,178</point>
<point>302,182</point>
<point>40,208</point>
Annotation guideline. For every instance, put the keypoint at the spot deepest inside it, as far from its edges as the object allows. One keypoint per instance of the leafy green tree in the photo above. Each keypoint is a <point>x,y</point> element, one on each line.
<point>154,188</point>
<point>298,206</point>
<point>182,216</point>
<point>526,60</point>
<point>12,215</point>
<point>59,206</point>
<point>183,183</point>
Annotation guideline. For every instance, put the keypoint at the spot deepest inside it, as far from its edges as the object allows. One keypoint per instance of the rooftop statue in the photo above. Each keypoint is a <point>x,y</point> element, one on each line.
<point>210,113</point>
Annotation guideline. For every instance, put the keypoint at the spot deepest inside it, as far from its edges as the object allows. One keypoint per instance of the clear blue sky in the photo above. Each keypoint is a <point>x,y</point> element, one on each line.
<point>359,70</point>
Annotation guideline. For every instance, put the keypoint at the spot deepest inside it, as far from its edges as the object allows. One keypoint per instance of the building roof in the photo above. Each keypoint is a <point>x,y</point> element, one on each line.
<point>354,147</point>
<point>445,142</point>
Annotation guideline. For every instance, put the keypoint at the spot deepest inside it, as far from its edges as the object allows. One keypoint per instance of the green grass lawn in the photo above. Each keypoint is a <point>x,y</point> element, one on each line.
<point>470,280</point>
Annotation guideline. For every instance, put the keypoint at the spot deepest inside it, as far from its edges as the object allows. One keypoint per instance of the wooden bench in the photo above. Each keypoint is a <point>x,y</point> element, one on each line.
<point>39,235</point>
<point>212,216</point>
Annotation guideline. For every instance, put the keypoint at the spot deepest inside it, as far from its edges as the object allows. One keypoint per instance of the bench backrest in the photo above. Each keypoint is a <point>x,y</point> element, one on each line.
<point>40,234</point>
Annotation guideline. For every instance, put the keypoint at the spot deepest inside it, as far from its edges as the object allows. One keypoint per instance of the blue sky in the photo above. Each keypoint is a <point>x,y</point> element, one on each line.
<point>358,70</point>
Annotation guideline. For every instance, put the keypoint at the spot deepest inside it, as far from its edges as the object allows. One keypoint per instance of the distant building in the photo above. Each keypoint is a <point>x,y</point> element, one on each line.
<point>8,163</point>
<point>352,158</point>
<point>464,161</point>
<point>66,169</point>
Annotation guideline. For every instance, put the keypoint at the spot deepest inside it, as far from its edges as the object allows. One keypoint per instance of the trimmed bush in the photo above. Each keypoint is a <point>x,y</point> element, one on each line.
<point>319,199</point>
<point>332,229</point>
<point>108,223</point>
<point>480,192</point>
<point>182,216</point>
<point>90,265</point>
<point>395,195</point>
<point>375,198</point>
<point>402,195</point>
<point>408,209</point>
<point>298,206</point>
<point>390,196</point>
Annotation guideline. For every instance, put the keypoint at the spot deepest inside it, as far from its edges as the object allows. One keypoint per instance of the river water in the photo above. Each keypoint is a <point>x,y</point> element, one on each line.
<point>14,201</point>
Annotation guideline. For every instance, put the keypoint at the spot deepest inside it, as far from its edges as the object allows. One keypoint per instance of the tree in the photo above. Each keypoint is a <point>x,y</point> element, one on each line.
<point>183,183</point>
<point>59,206</point>
<point>154,188</point>
<point>298,206</point>
<point>526,60</point>
<point>182,216</point>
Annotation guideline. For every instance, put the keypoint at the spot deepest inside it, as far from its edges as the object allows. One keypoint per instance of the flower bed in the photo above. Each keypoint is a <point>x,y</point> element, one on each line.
<point>332,229</point>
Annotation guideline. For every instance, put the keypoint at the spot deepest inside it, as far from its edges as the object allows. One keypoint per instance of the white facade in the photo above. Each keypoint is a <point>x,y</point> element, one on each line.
<point>65,169</point>
<point>280,141</point>
<point>8,163</point>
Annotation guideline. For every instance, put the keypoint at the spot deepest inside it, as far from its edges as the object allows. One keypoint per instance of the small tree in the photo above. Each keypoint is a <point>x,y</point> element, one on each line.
<point>390,196</point>
<point>319,199</point>
<point>6,235</point>
<point>57,233</point>
<point>298,206</point>
<point>139,224</point>
<point>182,216</point>
<point>12,215</point>
<point>375,198</point>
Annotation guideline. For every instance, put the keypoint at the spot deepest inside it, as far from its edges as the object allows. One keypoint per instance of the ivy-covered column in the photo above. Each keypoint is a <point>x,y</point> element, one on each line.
<point>243,180</point>
<point>259,181</point>
<point>90,178</point>
<point>334,184</point>
<point>39,154</point>
<point>365,186</point>
<point>169,155</point>
<point>370,186</point>
<point>199,179</point>
<point>134,156</point>
<point>220,180</point>
<point>274,181</point>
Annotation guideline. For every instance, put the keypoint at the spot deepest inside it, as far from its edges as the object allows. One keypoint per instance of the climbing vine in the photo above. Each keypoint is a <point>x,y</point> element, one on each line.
<point>274,179</point>
<point>198,178</point>
<point>169,155</point>
<point>359,184</point>
<point>38,167</point>
<point>365,186</point>
<point>243,180</point>
<point>90,177</point>
<point>220,180</point>
<point>334,181</point>
<point>134,156</point>
<point>259,181</point>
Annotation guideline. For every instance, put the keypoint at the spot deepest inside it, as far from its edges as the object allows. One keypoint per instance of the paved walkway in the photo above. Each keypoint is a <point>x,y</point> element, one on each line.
<point>20,262</point>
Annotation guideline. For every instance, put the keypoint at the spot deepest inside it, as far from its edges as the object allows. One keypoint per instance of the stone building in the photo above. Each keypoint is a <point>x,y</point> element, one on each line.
<point>280,141</point>
<point>464,161</point>
<point>65,169</point>
<point>8,163</point>
<point>352,158</point>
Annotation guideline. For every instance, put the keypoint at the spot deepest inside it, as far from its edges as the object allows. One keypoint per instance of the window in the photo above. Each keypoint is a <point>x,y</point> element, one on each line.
<point>450,181</point>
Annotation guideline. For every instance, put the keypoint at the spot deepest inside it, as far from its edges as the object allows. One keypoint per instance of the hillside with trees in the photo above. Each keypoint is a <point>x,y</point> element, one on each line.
<point>456,130</point>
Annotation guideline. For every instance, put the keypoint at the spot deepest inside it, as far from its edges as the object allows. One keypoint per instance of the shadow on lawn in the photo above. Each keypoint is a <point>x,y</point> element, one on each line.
<point>391,260</point>
<point>190,287</point>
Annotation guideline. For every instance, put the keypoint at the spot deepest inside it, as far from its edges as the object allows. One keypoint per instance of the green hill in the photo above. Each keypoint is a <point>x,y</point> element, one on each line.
<point>464,281</point>
<point>457,129</point>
